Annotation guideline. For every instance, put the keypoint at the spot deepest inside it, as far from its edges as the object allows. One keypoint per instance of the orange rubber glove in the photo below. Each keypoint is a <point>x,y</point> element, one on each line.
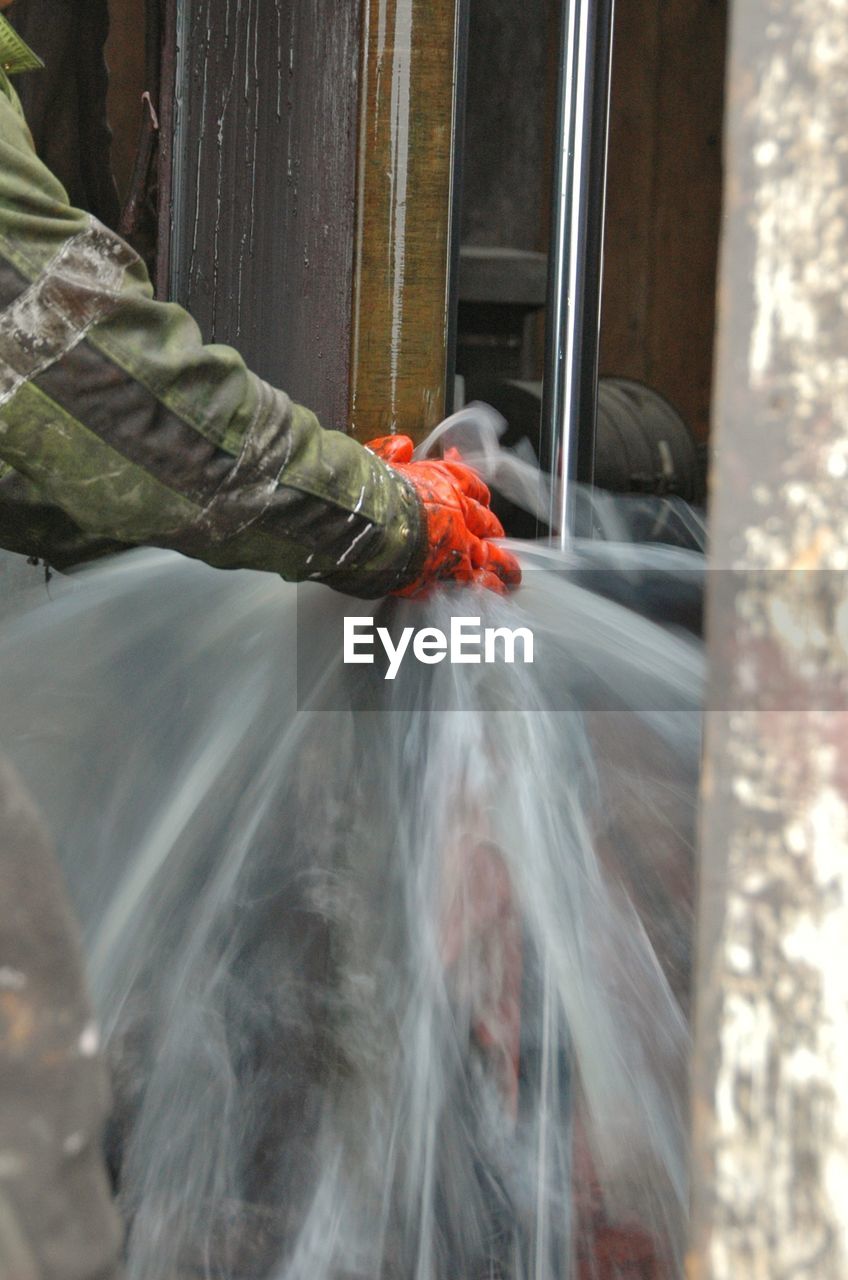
<point>459,522</point>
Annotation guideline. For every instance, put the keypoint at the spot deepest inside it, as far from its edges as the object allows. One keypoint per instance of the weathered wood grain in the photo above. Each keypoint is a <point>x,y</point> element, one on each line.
<point>629,265</point>
<point>664,200</point>
<point>125,50</point>
<point>403,216</point>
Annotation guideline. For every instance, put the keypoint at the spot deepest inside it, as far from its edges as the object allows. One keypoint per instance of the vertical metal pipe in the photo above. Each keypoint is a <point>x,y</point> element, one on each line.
<point>576,250</point>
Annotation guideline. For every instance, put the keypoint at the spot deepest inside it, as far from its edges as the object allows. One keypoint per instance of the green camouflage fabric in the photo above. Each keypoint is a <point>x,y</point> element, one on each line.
<point>15,54</point>
<point>118,426</point>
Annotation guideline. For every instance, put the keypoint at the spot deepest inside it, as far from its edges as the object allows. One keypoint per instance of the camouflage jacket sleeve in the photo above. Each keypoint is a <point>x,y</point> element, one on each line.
<point>113,410</point>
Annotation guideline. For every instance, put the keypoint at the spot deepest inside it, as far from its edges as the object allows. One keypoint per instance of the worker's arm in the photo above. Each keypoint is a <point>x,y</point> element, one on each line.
<point>113,409</point>
<point>32,526</point>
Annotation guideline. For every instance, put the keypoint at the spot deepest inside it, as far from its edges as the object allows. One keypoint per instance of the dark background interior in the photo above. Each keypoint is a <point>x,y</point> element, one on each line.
<point>663,198</point>
<point>664,188</point>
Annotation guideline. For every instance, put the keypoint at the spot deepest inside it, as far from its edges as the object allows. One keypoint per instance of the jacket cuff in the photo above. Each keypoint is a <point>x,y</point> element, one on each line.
<point>406,548</point>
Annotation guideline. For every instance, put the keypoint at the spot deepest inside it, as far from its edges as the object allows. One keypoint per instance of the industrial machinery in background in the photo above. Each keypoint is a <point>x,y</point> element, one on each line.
<point>642,445</point>
<point>642,448</point>
<point>530,333</point>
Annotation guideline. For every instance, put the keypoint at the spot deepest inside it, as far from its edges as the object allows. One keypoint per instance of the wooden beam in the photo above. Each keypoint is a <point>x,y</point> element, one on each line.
<point>664,200</point>
<point>404,179</point>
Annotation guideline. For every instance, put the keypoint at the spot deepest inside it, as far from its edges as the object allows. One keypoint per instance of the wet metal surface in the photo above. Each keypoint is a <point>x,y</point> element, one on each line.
<point>263,185</point>
<point>569,397</point>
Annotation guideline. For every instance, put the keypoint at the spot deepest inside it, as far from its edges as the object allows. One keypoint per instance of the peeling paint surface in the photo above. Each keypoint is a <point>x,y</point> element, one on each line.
<point>771,1104</point>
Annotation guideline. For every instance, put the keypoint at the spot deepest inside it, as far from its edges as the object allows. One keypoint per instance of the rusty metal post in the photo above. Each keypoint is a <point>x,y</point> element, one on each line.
<point>770,1165</point>
<point>405,170</point>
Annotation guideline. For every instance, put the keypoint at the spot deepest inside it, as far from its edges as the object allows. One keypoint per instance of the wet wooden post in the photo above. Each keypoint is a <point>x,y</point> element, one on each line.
<point>770,1164</point>
<point>403,228</point>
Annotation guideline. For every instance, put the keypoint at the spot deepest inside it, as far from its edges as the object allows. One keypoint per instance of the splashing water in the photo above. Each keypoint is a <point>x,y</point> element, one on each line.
<point>393,974</point>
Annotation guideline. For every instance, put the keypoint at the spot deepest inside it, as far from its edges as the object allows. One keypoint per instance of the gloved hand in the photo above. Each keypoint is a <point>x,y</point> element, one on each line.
<point>459,522</point>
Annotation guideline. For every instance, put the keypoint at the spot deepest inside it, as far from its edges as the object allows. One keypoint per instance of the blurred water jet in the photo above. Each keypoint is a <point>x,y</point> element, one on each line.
<point>393,975</point>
